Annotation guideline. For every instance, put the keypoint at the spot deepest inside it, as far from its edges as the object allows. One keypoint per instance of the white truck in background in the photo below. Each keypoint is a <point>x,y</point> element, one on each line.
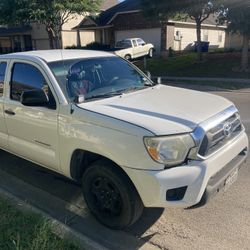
<point>132,48</point>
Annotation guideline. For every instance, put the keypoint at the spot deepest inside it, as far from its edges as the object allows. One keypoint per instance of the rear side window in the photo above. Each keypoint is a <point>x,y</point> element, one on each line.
<point>25,77</point>
<point>134,43</point>
<point>3,66</point>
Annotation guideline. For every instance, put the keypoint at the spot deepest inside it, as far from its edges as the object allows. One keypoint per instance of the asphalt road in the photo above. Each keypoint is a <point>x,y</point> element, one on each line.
<point>224,223</point>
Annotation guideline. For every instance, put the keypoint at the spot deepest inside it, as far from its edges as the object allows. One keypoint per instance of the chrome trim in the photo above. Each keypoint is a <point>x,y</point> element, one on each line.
<point>200,132</point>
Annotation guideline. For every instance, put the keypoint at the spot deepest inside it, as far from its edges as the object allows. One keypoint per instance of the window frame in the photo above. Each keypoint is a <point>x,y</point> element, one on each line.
<point>134,43</point>
<point>46,78</point>
<point>5,76</point>
<point>140,42</point>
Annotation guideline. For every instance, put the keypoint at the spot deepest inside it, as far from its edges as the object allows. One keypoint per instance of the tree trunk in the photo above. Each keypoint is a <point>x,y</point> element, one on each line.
<point>51,37</point>
<point>198,32</point>
<point>244,56</point>
<point>57,42</point>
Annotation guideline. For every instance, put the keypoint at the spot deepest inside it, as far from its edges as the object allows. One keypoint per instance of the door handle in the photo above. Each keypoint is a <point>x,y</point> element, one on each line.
<point>9,112</point>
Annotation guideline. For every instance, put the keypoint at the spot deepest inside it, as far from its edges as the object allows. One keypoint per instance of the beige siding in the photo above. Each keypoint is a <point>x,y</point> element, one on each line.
<point>170,36</point>
<point>39,36</point>
<point>216,37</point>
<point>185,36</point>
<point>234,41</point>
<point>72,22</point>
<point>87,37</point>
<point>41,44</point>
<point>148,35</point>
<point>69,38</point>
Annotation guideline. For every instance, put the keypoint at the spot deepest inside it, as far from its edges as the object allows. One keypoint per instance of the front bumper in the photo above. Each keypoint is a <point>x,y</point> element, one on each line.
<point>200,180</point>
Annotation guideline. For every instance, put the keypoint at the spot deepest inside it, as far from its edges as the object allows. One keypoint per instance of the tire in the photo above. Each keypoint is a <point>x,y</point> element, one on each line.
<point>111,196</point>
<point>150,53</point>
<point>128,57</point>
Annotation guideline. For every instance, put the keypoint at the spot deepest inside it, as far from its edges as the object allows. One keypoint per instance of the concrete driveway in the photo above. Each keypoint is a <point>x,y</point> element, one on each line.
<point>224,223</point>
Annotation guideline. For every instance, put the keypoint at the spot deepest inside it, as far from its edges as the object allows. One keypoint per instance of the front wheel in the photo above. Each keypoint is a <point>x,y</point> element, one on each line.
<point>150,53</point>
<point>128,57</point>
<point>111,196</point>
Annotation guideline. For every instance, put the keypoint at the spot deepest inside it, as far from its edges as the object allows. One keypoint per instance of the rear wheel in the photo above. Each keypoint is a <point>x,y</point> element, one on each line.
<point>111,196</point>
<point>150,53</point>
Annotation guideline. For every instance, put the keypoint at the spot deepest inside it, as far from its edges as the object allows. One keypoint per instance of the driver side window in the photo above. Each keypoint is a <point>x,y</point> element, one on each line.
<point>27,77</point>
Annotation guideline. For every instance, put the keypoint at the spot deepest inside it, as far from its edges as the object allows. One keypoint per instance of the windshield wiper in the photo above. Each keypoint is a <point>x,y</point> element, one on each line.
<point>118,92</point>
<point>128,90</point>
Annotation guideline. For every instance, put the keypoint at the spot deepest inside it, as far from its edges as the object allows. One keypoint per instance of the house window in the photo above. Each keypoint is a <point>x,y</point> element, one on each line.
<point>178,35</point>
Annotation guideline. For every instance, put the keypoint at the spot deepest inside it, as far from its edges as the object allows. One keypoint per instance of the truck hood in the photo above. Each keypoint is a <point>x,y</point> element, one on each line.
<point>163,110</point>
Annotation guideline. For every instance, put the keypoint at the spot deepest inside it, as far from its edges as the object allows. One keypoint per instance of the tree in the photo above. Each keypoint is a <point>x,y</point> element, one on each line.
<point>197,10</point>
<point>237,15</point>
<point>52,13</point>
<point>14,12</point>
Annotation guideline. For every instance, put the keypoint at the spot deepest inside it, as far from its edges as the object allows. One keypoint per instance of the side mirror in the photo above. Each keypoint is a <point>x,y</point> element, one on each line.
<point>79,99</point>
<point>159,80</point>
<point>148,74</point>
<point>35,97</point>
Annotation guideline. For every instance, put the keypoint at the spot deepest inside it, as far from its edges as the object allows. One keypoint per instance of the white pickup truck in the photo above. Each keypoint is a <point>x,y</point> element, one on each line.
<point>95,118</point>
<point>132,48</point>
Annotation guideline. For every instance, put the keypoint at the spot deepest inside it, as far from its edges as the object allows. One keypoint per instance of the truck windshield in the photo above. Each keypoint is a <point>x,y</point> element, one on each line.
<point>97,77</point>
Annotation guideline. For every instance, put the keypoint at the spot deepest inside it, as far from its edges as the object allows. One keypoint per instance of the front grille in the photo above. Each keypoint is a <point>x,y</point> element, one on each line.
<point>219,135</point>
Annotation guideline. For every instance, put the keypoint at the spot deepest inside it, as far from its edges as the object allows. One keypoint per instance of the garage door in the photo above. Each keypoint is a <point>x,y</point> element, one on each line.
<point>148,35</point>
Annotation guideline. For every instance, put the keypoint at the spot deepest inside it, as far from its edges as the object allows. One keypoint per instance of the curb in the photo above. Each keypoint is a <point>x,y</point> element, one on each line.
<point>58,228</point>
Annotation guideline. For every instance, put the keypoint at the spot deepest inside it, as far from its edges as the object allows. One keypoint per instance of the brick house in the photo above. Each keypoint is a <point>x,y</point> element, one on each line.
<point>34,36</point>
<point>126,20</point>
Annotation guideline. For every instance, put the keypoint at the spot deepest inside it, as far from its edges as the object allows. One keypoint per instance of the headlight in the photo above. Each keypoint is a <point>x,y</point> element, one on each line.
<point>169,150</point>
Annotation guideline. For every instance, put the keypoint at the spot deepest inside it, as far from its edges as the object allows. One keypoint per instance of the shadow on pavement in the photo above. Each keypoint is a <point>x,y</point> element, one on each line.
<point>62,199</point>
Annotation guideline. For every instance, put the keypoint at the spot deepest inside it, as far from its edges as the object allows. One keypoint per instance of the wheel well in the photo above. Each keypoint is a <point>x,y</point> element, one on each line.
<point>81,160</point>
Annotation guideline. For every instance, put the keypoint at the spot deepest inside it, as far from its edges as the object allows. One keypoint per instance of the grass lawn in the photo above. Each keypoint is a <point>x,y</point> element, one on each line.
<point>215,65</point>
<point>23,230</point>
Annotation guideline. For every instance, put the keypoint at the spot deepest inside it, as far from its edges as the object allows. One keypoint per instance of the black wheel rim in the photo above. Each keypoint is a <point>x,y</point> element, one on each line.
<point>106,197</point>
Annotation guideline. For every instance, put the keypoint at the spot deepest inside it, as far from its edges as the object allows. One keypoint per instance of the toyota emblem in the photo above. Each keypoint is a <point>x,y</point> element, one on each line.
<point>227,129</point>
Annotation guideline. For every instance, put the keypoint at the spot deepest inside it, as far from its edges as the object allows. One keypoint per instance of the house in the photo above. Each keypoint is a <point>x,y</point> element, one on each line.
<point>34,36</point>
<point>126,20</point>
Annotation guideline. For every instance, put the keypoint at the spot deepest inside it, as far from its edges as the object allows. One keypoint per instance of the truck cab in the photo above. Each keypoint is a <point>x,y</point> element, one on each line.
<point>132,48</point>
<point>131,143</point>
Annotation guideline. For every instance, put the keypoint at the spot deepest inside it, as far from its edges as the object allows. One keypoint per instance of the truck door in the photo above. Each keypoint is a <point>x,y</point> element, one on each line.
<point>141,47</point>
<point>136,50</point>
<point>32,129</point>
<point>3,129</point>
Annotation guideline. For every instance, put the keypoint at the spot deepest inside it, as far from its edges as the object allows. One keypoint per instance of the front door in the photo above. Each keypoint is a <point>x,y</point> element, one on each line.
<point>32,129</point>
